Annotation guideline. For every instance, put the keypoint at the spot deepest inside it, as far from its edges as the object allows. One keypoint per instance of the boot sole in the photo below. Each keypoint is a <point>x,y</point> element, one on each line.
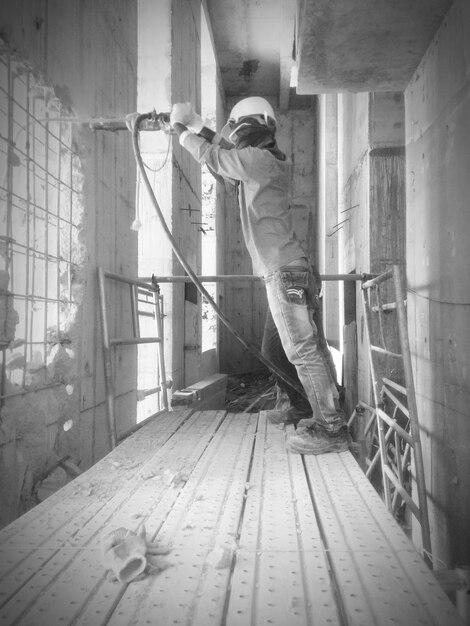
<point>300,447</point>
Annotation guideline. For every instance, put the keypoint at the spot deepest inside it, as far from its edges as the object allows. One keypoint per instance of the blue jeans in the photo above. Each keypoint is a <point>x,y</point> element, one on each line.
<point>272,349</point>
<point>292,299</point>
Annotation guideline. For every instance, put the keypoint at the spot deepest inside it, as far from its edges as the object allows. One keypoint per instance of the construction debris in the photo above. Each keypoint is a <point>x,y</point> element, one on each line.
<point>125,555</point>
<point>249,393</point>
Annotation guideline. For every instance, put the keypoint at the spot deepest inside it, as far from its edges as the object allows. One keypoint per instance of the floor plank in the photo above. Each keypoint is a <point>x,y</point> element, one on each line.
<point>375,565</point>
<point>258,536</point>
<point>281,571</point>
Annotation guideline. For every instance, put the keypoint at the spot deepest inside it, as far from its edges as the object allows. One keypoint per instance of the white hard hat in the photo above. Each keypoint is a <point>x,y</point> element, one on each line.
<point>252,106</point>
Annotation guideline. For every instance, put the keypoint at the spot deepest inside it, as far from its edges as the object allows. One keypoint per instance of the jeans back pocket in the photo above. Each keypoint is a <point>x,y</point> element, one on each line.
<point>295,284</point>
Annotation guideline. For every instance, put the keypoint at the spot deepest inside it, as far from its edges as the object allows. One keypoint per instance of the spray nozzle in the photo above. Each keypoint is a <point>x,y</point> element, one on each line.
<point>152,121</point>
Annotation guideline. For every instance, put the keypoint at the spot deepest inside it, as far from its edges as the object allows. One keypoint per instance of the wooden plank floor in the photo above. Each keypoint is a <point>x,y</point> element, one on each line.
<point>258,537</point>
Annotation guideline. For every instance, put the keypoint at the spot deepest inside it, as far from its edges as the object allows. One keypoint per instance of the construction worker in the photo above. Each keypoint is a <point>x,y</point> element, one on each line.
<point>260,172</point>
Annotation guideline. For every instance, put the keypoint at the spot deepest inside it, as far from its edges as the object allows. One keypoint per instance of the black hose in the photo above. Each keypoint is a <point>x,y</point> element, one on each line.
<point>202,290</point>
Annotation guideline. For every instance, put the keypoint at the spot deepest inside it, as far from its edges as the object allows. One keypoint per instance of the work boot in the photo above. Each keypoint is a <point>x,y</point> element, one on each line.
<point>317,440</point>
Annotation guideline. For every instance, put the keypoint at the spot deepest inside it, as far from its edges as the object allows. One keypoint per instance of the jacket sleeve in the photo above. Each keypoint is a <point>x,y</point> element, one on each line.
<point>234,164</point>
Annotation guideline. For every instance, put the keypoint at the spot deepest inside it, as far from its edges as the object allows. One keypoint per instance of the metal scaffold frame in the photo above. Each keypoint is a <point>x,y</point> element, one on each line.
<point>137,291</point>
<point>393,422</point>
<point>395,415</point>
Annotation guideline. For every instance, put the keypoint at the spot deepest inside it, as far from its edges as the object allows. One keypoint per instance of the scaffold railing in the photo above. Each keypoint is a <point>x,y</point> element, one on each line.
<point>394,418</point>
<point>139,291</point>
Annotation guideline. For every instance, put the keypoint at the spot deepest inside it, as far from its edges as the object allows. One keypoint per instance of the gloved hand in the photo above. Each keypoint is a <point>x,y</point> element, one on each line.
<point>182,113</point>
<point>125,553</point>
<point>130,120</point>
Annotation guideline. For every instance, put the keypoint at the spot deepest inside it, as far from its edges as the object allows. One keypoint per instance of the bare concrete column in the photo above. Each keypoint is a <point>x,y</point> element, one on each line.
<point>168,72</point>
<point>328,213</point>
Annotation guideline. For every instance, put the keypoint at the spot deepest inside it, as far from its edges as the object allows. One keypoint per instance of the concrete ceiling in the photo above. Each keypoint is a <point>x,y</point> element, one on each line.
<point>254,42</point>
<point>341,45</point>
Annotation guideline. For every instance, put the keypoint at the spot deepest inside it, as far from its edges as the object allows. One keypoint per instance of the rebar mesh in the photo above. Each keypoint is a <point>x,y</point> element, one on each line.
<point>40,215</point>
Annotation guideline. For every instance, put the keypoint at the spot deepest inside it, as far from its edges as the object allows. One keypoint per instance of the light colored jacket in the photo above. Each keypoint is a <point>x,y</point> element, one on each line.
<point>263,196</point>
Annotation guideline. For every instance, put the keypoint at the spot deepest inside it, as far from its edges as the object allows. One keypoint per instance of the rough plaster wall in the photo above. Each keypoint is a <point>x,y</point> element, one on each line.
<point>87,52</point>
<point>353,206</point>
<point>438,257</point>
<point>353,120</point>
<point>371,203</point>
<point>245,302</point>
<point>296,136</point>
<point>328,211</point>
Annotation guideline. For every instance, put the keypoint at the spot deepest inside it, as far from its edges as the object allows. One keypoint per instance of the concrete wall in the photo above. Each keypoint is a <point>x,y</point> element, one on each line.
<point>86,53</point>
<point>431,235</point>
<point>438,257</point>
<point>371,203</point>
<point>352,232</point>
<point>328,213</point>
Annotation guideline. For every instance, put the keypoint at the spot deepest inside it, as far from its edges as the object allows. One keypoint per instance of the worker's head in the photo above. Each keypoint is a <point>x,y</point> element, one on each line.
<point>248,120</point>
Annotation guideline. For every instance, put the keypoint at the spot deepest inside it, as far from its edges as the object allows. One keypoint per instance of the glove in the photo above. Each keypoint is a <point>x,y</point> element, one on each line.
<point>124,553</point>
<point>182,113</point>
<point>130,120</point>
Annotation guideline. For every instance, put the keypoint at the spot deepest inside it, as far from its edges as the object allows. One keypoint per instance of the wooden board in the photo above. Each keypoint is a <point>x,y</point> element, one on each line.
<point>258,536</point>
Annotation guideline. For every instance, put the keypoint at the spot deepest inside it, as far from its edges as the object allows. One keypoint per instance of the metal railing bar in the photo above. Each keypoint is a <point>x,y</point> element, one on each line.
<point>387,352</point>
<point>372,368</point>
<point>128,281</point>
<point>136,341</point>
<point>376,280</point>
<point>149,392</point>
<point>395,386</point>
<point>107,361</point>
<point>377,458</point>
<point>390,306</point>
<point>402,491</point>
<point>391,422</point>
<point>229,277</point>
<point>371,421</point>
<point>398,403</point>
<point>413,409</point>
<point>402,464</point>
<point>159,317</point>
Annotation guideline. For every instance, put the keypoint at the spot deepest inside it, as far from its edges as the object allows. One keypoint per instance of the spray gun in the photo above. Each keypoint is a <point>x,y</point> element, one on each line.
<point>149,122</point>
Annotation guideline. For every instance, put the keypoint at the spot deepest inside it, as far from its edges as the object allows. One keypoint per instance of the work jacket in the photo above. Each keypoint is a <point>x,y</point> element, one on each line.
<point>263,196</point>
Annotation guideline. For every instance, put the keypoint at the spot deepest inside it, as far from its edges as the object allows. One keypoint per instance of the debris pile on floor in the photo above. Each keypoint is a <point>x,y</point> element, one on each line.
<point>251,392</point>
<point>128,556</point>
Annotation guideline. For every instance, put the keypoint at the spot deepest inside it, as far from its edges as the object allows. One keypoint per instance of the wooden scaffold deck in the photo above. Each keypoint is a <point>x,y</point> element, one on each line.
<point>257,536</point>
